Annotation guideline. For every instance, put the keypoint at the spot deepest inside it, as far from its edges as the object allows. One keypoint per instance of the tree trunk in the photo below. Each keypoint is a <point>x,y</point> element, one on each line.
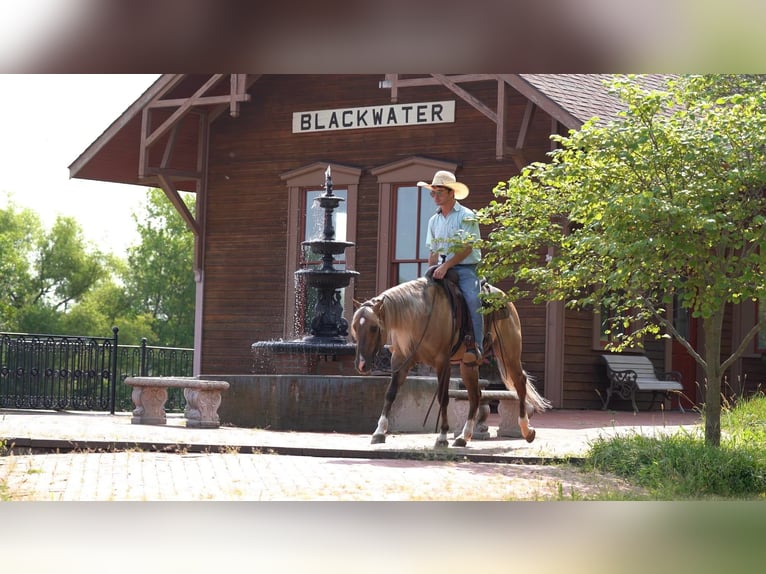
<point>713,373</point>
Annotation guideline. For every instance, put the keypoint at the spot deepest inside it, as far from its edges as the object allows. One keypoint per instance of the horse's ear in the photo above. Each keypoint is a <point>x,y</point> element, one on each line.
<point>378,308</point>
<point>357,304</point>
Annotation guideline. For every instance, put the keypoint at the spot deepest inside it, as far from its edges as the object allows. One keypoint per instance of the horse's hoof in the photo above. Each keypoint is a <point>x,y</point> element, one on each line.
<point>531,436</point>
<point>441,443</point>
<point>378,439</point>
<point>459,442</point>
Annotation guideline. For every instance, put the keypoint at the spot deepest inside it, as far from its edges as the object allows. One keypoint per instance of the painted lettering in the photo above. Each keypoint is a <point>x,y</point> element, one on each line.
<point>374,116</point>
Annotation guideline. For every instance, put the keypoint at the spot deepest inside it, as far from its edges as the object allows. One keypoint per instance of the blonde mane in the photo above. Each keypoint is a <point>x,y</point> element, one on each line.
<point>406,312</point>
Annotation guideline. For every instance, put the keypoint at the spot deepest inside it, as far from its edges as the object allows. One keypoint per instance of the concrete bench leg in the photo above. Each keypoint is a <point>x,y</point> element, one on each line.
<point>150,405</point>
<point>202,408</point>
<point>509,419</point>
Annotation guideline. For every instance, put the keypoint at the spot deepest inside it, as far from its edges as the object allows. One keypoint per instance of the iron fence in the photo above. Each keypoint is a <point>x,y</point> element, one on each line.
<point>83,373</point>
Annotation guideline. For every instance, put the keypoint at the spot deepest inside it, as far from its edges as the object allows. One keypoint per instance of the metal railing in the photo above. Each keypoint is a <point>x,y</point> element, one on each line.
<point>83,373</point>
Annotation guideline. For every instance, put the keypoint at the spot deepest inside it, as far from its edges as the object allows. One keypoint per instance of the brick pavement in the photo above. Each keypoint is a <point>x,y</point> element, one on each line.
<point>211,464</point>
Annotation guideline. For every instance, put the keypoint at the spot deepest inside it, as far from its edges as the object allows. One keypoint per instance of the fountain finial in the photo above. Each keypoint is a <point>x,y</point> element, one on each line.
<point>328,181</point>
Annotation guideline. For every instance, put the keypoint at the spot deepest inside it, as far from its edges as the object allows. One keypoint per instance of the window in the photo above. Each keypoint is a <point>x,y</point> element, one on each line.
<point>413,207</point>
<point>404,213</point>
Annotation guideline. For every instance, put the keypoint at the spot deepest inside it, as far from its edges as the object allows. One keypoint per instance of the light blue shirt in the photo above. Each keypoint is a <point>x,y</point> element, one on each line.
<point>458,227</point>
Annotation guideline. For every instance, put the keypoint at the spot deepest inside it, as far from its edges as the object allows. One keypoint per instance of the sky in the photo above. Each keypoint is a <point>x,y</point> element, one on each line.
<point>48,121</point>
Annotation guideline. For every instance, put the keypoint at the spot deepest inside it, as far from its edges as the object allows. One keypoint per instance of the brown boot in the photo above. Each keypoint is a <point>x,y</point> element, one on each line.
<point>471,355</point>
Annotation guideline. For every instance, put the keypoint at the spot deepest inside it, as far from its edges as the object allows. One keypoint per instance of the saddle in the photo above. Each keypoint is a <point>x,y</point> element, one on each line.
<point>460,314</point>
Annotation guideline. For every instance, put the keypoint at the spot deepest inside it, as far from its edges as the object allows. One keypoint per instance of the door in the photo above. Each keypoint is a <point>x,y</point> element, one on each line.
<point>681,360</point>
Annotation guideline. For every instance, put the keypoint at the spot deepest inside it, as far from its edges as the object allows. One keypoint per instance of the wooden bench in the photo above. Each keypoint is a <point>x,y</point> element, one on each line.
<point>202,400</point>
<point>508,409</point>
<point>630,373</point>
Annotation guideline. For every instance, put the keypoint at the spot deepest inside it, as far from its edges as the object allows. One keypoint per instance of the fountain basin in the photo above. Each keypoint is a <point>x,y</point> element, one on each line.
<point>344,404</point>
<point>326,278</point>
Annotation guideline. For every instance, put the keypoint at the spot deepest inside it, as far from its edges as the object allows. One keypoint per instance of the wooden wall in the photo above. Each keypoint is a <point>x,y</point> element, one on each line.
<point>245,236</point>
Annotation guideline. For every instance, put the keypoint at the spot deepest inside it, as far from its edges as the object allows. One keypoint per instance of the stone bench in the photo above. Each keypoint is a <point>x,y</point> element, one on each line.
<point>202,400</point>
<point>508,409</point>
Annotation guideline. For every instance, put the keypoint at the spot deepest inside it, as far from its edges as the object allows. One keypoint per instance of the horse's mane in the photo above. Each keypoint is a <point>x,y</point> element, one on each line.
<point>406,304</point>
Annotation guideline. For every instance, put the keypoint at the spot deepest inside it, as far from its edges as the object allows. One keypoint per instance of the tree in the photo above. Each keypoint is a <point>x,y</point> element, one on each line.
<point>43,273</point>
<point>667,201</point>
<point>18,232</point>
<point>159,276</point>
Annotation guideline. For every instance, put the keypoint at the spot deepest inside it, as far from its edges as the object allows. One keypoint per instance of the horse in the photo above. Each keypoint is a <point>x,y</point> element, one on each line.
<point>418,317</point>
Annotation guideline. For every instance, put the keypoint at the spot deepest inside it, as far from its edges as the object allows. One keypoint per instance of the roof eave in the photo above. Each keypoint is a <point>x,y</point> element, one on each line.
<point>161,84</point>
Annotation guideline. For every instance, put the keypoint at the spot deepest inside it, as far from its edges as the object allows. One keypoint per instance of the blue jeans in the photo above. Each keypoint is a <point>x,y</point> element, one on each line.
<point>470,286</point>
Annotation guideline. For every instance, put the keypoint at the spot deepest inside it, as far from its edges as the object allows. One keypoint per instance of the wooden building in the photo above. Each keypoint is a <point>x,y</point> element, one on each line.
<point>254,148</point>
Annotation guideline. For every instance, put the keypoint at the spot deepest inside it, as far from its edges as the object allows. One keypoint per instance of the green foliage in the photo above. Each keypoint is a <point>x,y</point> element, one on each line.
<point>159,279</point>
<point>682,466</point>
<point>668,201</point>
<point>54,282</point>
<point>43,273</point>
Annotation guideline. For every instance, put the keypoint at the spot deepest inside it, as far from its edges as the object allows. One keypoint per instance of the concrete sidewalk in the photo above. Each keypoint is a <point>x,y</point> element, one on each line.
<point>97,456</point>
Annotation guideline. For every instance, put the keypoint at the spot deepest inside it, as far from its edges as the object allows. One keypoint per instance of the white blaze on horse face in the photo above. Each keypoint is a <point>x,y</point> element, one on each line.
<point>362,321</point>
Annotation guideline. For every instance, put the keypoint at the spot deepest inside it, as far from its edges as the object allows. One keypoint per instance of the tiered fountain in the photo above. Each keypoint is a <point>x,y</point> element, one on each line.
<point>327,338</point>
<point>309,384</point>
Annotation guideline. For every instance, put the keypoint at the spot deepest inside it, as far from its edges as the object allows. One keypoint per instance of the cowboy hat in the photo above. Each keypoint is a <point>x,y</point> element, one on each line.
<point>447,179</point>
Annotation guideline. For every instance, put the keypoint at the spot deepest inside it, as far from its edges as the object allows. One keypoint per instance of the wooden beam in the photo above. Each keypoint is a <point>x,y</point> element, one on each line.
<point>143,153</point>
<point>182,110</point>
<point>201,101</point>
<point>174,174</point>
<point>549,106</point>
<point>529,113</point>
<point>518,157</point>
<point>216,112</point>
<point>432,81</point>
<point>172,193</point>
<point>466,96</point>
<point>169,147</point>
<point>500,131</point>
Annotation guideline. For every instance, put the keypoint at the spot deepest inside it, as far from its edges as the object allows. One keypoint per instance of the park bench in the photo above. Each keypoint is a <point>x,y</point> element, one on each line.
<point>508,409</point>
<point>202,400</point>
<point>630,373</point>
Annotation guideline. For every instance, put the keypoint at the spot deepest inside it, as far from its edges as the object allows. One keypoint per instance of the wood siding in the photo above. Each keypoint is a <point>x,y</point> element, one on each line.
<point>246,218</point>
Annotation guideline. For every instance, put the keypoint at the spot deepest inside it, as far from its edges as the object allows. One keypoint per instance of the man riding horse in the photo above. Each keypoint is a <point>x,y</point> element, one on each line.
<point>451,232</point>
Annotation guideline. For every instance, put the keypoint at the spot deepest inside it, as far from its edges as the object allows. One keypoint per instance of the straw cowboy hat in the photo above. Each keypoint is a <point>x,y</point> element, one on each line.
<point>447,179</point>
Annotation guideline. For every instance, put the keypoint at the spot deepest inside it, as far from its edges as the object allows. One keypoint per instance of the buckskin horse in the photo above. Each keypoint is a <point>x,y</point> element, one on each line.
<point>418,315</point>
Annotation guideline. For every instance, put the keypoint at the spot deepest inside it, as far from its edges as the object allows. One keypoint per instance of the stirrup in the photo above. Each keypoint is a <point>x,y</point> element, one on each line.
<point>471,356</point>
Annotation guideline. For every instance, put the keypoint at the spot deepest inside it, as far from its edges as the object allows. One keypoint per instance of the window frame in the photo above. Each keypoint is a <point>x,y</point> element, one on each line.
<point>404,172</point>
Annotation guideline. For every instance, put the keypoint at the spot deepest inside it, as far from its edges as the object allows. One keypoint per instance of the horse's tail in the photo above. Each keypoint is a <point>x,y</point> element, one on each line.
<point>536,403</point>
<point>503,329</point>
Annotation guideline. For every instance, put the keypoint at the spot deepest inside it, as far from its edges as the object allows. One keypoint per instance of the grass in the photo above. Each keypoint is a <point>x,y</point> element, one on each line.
<point>683,467</point>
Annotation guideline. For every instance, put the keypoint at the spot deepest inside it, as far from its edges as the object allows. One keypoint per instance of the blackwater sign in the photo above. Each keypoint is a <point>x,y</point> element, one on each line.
<point>374,117</point>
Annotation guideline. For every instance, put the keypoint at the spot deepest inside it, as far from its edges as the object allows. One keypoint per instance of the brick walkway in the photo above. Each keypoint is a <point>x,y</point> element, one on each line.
<point>114,460</point>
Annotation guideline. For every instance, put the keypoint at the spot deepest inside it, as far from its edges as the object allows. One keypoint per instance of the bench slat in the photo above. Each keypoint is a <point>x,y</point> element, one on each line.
<point>628,373</point>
